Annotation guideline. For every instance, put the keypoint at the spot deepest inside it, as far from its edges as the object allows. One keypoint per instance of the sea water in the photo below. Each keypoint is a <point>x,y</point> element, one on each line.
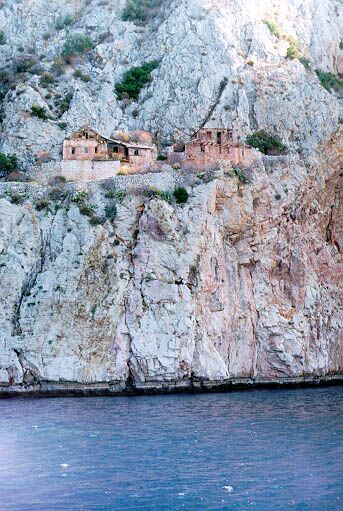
<point>255,450</point>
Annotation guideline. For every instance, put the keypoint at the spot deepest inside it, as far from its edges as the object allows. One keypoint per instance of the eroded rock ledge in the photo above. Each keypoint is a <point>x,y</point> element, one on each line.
<point>72,389</point>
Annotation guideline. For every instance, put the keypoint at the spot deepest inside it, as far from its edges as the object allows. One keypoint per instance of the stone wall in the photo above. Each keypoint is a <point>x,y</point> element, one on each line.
<point>44,172</point>
<point>166,181</point>
<point>76,170</point>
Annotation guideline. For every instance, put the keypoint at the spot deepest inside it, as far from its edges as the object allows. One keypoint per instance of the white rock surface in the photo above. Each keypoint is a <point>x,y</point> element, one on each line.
<point>240,282</point>
<point>198,42</point>
<point>234,284</point>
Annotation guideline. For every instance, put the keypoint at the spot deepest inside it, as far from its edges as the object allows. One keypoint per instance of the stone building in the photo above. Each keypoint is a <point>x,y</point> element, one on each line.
<point>87,144</point>
<point>209,145</point>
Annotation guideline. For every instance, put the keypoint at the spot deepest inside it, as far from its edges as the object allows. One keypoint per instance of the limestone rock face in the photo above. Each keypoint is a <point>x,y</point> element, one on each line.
<point>198,44</point>
<point>244,281</point>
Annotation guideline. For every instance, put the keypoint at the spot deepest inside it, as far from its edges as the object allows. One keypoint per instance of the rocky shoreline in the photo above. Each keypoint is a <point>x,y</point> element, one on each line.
<point>73,389</point>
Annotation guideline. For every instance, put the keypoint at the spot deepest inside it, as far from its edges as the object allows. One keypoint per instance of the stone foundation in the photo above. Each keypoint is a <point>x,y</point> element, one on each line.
<point>87,170</point>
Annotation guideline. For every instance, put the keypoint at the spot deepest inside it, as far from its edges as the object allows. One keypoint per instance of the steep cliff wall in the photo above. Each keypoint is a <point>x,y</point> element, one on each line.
<point>244,281</point>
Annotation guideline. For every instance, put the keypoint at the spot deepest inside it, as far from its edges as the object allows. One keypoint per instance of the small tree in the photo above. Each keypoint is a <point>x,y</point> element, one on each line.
<point>2,37</point>
<point>76,44</point>
<point>135,79</point>
<point>8,163</point>
<point>265,142</point>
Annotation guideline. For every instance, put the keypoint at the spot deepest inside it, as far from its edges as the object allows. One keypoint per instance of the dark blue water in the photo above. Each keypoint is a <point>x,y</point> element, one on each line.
<point>261,450</point>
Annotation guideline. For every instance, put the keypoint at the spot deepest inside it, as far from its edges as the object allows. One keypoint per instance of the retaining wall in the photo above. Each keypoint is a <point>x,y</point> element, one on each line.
<point>89,170</point>
<point>165,181</point>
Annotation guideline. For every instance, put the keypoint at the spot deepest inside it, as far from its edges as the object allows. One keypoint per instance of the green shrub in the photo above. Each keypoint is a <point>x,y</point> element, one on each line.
<point>305,62</point>
<point>140,11</point>
<point>111,211</point>
<point>4,76</point>
<point>39,111</point>
<point>25,64</point>
<point>162,157</point>
<point>135,79</point>
<point>8,163</point>
<point>86,210</point>
<point>273,27</point>
<point>79,74</point>
<point>2,37</point>
<point>341,44</point>
<point>62,125</point>
<point>46,79</point>
<point>153,193</point>
<point>80,196</point>
<point>181,195</point>
<point>329,81</point>
<point>265,142</point>
<point>63,104</point>
<point>64,21</point>
<point>41,204</point>
<point>293,50</point>
<point>76,44</point>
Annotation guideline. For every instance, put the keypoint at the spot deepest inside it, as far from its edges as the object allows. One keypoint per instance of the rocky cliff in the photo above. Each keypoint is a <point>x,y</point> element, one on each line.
<point>198,44</point>
<point>243,282</point>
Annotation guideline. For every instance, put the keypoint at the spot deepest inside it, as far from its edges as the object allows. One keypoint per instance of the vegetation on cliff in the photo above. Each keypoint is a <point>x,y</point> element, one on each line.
<point>265,142</point>
<point>135,79</point>
<point>8,163</point>
<point>139,11</point>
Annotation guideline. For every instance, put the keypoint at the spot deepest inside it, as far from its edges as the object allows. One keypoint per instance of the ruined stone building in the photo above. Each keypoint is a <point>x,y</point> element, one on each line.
<point>87,144</point>
<point>209,145</point>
